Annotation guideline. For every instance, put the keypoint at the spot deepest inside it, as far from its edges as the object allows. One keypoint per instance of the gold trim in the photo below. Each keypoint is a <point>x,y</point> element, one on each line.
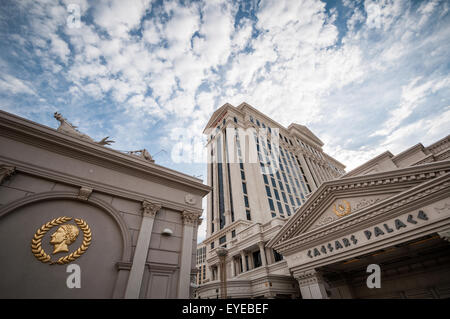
<point>41,255</point>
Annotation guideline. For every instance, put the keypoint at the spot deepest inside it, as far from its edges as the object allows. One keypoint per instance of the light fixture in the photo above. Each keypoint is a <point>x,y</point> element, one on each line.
<point>167,232</point>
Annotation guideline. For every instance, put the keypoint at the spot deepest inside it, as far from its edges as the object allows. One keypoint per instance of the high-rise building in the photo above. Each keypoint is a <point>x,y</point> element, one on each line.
<point>261,173</point>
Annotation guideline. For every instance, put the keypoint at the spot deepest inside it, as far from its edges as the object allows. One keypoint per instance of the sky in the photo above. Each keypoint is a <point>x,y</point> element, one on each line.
<point>364,76</point>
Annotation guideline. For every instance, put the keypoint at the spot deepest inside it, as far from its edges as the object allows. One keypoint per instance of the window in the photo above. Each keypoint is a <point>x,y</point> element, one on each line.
<point>212,245</point>
<point>273,182</point>
<point>276,194</point>
<point>248,214</point>
<point>233,233</point>
<point>277,256</point>
<point>284,197</point>
<point>235,119</point>
<point>280,208</point>
<point>268,191</point>
<point>287,209</point>
<point>244,188</point>
<point>246,202</point>
<point>271,204</point>
<point>257,259</point>
<point>222,240</point>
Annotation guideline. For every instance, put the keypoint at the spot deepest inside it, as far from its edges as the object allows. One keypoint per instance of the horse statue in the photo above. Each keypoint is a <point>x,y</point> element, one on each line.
<point>67,128</point>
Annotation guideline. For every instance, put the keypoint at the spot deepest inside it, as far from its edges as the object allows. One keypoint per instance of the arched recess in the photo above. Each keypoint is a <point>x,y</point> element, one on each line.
<point>61,195</point>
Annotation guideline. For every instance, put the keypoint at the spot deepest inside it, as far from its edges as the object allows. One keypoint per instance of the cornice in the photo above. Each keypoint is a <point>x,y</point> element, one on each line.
<point>367,215</point>
<point>438,143</point>
<point>48,138</point>
<point>97,186</point>
<point>217,113</point>
<point>407,152</point>
<point>384,180</point>
<point>305,132</point>
<point>368,164</point>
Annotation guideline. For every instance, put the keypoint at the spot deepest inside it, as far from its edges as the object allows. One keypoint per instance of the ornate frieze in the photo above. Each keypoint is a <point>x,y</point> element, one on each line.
<point>326,220</point>
<point>150,209</point>
<point>443,208</point>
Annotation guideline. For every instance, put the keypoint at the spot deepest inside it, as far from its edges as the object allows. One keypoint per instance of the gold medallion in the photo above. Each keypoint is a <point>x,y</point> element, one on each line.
<point>61,239</point>
<point>341,211</point>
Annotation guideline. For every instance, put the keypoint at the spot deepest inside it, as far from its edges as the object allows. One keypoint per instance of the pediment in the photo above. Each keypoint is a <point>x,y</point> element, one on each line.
<point>341,207</point>
<point>338,199</point>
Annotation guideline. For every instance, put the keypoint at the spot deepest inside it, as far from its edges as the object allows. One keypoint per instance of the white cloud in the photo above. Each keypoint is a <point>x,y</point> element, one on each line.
<point>12,85</point>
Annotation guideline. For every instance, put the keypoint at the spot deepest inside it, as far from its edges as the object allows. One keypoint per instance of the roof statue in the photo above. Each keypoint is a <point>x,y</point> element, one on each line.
<point>67,128</point>
<point>143,154</point>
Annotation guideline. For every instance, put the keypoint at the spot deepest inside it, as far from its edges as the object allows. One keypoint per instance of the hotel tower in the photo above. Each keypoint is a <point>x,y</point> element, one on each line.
<point>260,173</point>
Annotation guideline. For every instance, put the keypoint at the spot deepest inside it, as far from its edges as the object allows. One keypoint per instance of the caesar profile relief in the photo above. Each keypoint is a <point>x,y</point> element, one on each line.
<point>63,237</point>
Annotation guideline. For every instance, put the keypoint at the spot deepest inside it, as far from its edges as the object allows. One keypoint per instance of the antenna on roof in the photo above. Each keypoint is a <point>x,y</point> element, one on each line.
<point>162,150</point>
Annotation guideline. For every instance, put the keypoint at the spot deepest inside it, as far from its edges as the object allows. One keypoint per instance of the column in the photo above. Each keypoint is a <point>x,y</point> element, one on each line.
<point>313,172</point>
<point>233,268</point>
<point>222,254</point>
<point>209,273</point>
<point>190,222</point>
<point>244,265</point>
<point>262,252</point>
<point>312,285</point>
<point>149,211</point>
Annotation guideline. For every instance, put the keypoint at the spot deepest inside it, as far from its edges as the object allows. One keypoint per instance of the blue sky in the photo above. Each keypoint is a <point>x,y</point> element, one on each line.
<point>364,76</point>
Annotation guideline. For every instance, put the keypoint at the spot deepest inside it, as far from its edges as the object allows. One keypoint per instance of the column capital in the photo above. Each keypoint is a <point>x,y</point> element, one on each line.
<point>150,209</point>
<point>191,218</point>
<point>308,277</point>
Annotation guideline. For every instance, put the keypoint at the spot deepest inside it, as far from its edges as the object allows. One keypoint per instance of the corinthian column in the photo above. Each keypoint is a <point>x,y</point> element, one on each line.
<point>190,222</point>
<point>149,211</point>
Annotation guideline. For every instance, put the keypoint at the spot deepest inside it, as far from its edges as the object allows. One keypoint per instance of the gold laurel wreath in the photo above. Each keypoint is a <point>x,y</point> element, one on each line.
<point>40,254</point>
<point>346,211</point>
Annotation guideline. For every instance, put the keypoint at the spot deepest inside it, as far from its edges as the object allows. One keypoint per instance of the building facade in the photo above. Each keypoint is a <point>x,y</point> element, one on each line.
<point>390,216</point>
<point>260,173</point>
<point>67,202</point>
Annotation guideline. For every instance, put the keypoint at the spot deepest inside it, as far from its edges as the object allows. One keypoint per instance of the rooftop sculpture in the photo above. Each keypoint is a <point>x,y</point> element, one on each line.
<point>67,128</point>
